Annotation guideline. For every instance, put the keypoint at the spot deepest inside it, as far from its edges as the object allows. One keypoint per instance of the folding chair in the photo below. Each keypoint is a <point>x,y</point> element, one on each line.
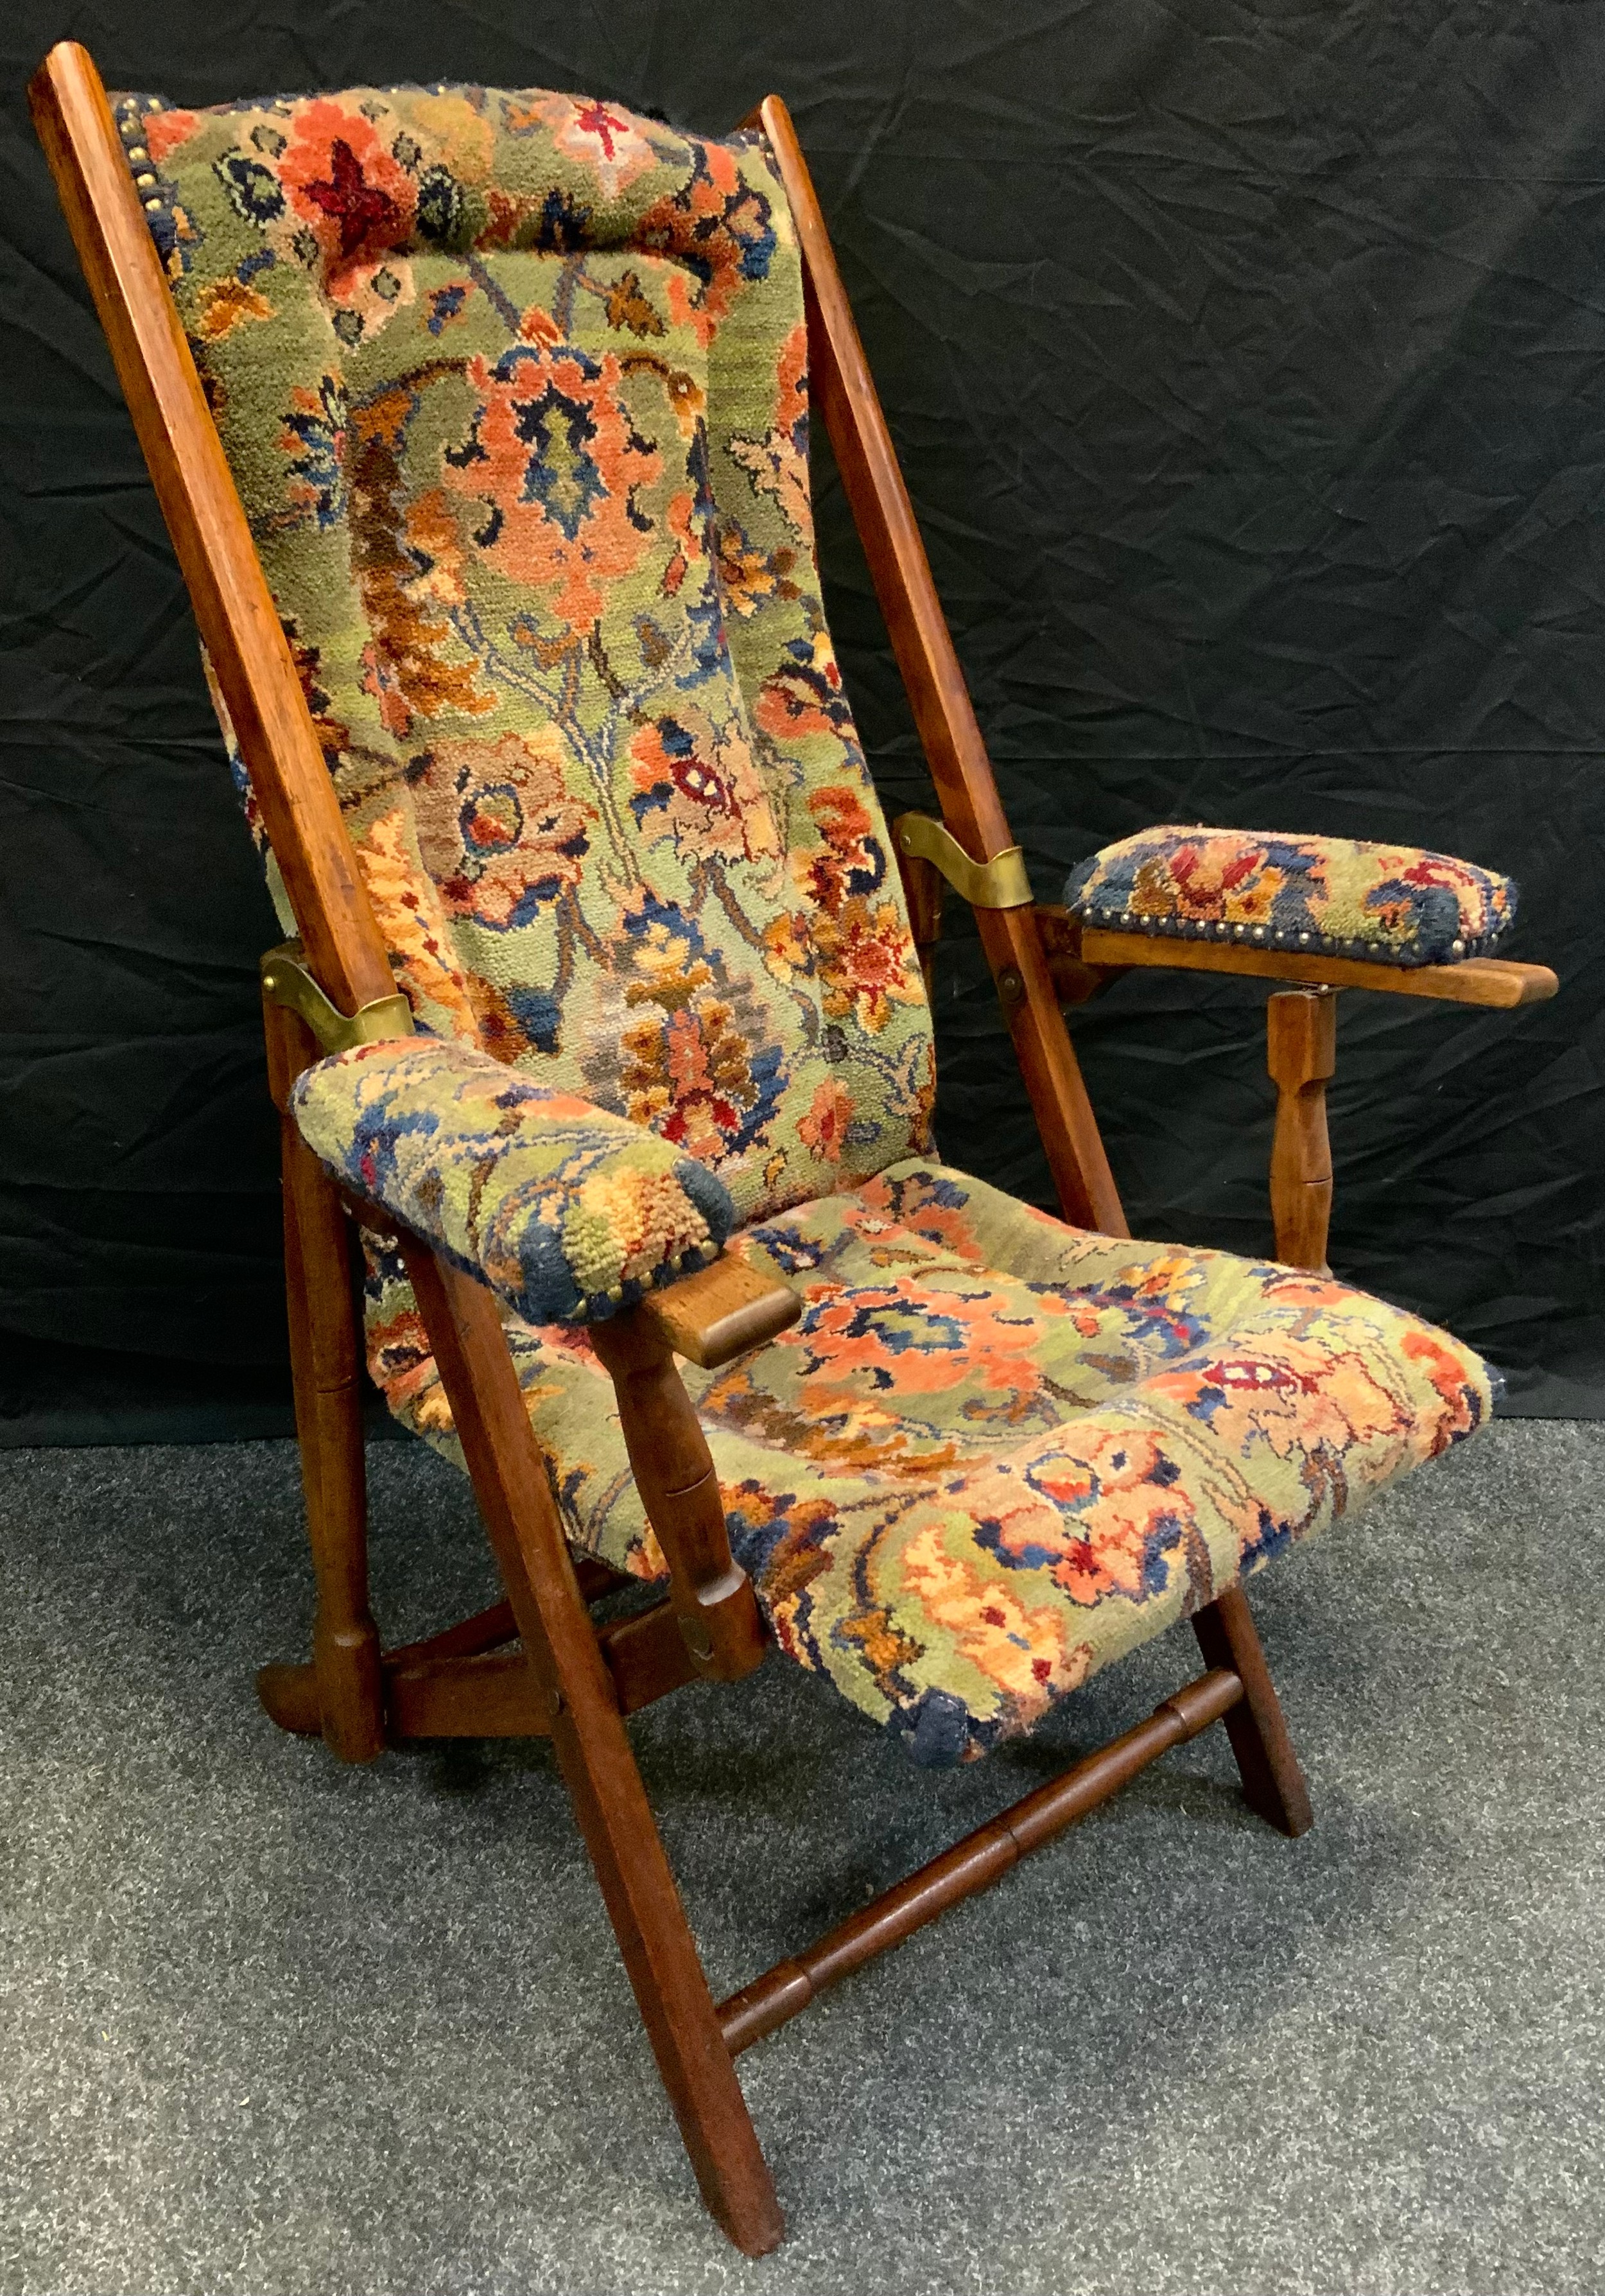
<point>479,422</point>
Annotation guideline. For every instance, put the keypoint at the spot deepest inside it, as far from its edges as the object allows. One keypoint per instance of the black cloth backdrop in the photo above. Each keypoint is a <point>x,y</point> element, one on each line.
<point>1247,366</point>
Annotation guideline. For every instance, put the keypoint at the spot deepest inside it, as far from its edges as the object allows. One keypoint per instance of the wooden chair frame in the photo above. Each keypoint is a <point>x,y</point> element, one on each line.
<point>538,1662</point>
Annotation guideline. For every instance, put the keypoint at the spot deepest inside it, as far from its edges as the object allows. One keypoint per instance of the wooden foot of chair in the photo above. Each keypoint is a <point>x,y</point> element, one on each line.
<point>1274,1783</point>
<point>594,1752</point>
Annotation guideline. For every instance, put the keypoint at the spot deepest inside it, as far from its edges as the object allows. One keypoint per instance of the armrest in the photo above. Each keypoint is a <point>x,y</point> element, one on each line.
<point>566,1210</point>
<point>712,1317</point>
<point>1337,911</point>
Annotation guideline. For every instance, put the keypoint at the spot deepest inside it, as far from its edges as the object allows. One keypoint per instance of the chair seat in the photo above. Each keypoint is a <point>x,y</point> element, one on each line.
<point>996,1452</point>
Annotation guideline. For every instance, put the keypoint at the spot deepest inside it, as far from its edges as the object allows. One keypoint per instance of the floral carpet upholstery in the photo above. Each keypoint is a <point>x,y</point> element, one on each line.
<point>996,1452</point>
<point>1334,896</point>
<point>569,1212</point>
<point>514,386</point>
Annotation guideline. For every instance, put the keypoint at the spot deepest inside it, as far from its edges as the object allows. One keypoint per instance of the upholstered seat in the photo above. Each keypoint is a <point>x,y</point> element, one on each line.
<point>1330,896</point>
<point>996,1452</point>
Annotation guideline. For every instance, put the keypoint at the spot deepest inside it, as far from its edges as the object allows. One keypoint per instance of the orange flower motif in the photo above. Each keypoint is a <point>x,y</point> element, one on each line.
<point>687,1074</point>
<point>408,557</point>
<point>927,1204</point>
<point>402,1365</point>
<point>554,458</point>
<point>1462,1405</point>
<point>851,861</point>
<point>786,950</point>
<point>1201,881</point>
<point>539,326</point>
<point>823,1129</point>
<point>1298,1397</point>
<point>1116,1516</point>
<point>224,304</point>
<point>866,963</point>
<point>165,131</point>
<point>406,908</point>
<point>1023,1649</point>
<point>778,463</point>
<point>749,578</point>
<point>804,699</point>
<point>901,1337</point>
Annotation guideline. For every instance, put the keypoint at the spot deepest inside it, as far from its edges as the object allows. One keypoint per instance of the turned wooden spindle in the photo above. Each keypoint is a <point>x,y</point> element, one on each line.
<point>1301,1053</point>
<point>674,1469</point>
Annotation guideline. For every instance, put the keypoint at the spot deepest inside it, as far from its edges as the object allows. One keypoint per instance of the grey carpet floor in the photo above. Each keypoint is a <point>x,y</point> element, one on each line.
<point>271,2025</point>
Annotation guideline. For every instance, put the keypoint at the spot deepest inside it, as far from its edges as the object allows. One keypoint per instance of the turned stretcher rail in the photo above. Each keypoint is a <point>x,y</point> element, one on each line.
<point>975,1863</point>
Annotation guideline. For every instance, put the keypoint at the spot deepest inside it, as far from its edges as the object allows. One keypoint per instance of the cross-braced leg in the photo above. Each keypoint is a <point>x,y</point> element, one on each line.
<point>594,1749</point>
<point>1273,1782</point>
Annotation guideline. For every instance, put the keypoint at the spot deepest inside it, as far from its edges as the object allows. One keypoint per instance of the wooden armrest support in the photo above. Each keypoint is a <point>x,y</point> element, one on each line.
<point>1477,981</point>
<point>1075,981</point>
<point>717,1315</point>
<point>711,1594</point>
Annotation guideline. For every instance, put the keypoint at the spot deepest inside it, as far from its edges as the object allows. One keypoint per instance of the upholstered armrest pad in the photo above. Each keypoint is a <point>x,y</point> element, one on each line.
<point>1331,896</point>
<point>569,1212</point>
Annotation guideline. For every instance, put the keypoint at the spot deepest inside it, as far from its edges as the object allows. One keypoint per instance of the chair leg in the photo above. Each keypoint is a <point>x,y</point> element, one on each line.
<point>1273,1782</point>
<point>324,1356</point>
<point>593,1750</point>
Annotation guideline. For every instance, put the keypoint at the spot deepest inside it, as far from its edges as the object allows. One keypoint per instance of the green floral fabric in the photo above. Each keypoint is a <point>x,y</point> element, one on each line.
<point>996,1452</point>
<point>1331,896</point>
<point>567,1212</point>
<point>514,386</point>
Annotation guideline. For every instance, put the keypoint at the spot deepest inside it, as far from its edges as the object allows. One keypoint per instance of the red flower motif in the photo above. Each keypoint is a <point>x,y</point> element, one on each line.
<point>343,184</point>
<point>596,119</point>
<point>361,209</point>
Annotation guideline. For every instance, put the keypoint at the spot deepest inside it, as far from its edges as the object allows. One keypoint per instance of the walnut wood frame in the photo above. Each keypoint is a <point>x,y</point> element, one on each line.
<point>538,1662</point>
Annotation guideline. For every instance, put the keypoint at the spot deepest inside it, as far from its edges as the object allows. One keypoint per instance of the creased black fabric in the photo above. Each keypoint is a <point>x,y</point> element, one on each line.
<point>1248,365</point>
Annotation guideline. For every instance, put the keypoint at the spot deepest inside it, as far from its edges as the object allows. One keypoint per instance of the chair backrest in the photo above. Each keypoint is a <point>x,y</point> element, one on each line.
<point>514,391</point>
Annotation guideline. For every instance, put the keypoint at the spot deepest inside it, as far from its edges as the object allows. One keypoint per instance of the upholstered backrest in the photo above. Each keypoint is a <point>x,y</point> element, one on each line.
<point>515,390</point>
